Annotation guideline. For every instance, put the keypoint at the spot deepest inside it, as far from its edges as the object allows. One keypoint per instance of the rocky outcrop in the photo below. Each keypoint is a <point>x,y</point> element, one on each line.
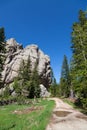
<point>44,92</point>
<point>14,56</point>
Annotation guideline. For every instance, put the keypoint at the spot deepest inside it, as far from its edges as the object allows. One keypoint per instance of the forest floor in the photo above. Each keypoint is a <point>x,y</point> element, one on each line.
<point>65,117</point>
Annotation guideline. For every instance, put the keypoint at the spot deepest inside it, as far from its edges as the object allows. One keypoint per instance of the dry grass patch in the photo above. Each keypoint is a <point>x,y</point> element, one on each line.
<point>28,110</point>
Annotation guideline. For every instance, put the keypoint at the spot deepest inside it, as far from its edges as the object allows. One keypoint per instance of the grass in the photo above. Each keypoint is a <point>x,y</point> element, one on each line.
<point>84,111</point>
<point>35,120</point>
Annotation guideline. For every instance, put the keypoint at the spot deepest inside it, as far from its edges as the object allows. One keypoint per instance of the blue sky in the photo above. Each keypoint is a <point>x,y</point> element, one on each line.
<point>46,23</point>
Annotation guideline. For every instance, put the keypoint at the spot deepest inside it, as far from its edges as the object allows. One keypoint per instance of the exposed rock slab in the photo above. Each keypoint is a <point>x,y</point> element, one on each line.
<point>15,55</point>
<point>44,92</point>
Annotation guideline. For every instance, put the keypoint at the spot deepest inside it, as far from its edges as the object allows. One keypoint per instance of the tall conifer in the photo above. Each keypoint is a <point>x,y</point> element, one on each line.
<point>79,49</point>
<point>64,80</point>
<point>2,50</point>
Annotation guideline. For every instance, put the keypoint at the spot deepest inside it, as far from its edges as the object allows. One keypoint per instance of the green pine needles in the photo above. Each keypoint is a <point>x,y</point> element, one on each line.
<point>27,82</point>
<point>64,80</point>
<point>2,50</point>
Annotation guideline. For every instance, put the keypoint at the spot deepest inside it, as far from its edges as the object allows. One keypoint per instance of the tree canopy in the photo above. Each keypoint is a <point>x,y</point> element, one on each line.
<point>79,50</point>
<point>2,50</point>
<point>64,80</point>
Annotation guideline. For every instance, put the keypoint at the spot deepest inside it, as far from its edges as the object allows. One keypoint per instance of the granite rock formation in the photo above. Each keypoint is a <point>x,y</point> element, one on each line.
<point>14,56</point>
<point>44,93</point>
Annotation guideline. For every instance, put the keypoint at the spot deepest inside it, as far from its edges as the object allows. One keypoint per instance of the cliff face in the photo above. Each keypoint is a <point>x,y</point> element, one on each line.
<point>14,56</point>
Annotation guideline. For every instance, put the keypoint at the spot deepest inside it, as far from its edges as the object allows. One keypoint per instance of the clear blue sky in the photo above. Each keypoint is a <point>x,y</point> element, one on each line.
<point>44,22</point>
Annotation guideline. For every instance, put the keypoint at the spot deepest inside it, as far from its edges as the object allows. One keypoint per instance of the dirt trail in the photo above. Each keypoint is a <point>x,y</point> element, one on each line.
<point>66,118</point>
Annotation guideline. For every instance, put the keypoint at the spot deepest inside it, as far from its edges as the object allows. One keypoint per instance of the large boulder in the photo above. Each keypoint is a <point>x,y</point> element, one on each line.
<point>14,56</point>
<point>44,92</point>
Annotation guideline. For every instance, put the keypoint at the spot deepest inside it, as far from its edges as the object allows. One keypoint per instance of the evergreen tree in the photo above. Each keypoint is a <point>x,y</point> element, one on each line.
<point>54,88</point>
<point>25,70</point>
<point>27,83</point>
<point>79,49</point>
<point>64,80</point>
<point>71,75</point>
<point>2,35</point>
<point>17,87</point>
<point>34,82</point>
<point>2,50</point>
<point>21,82</point>
<point>52,77</point>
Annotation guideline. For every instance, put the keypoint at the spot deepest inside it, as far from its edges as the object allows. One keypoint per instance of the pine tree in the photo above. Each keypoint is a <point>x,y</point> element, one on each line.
<point>21,83</point>
<point>2,50</point>
<point>71,75</point>
<point>27,82</point>
<point>64,80</point>
<point>35,88</point>
<point>54,88</point>
<point>2,35</point>
<point>79,49</point>
<point>25,70</point>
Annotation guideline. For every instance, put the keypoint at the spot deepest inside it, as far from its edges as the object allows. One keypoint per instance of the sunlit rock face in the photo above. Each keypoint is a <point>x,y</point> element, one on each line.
<point>16,54</point>
<point>44,92</point>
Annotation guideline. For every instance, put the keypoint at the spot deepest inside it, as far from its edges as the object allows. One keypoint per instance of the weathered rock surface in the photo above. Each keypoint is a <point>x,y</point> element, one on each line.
<point>44,92</point>
<point>16,53</point>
